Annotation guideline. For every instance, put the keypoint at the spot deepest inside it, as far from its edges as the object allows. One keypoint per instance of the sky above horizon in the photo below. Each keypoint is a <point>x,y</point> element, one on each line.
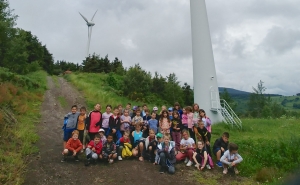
<point>252,40</point>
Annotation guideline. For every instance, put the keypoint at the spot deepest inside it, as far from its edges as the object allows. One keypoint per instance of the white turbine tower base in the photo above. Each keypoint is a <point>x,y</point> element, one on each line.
<point>90,25</point>
<point>206,92</point>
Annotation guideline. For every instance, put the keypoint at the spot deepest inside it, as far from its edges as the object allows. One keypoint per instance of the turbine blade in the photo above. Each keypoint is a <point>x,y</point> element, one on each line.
<point>94,15</point>
<point>84,17</point>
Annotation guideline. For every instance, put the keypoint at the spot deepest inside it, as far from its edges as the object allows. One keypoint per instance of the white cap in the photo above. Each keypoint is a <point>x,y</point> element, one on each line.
<point>101,130</point>
<point>155,108</point>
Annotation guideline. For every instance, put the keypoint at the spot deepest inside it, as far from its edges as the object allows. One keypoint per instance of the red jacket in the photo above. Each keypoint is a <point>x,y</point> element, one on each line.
<point>74,145</point>
<point>98,146</point>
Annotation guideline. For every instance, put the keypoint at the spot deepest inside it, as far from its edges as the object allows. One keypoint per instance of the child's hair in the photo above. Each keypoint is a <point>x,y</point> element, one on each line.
<point>153,112</point>
<point>232,147</point>
<point>75,132</point>
<point>147,110</point>
<point>175,112</point>
<point>116,108</point>
<point>188,108</point>
<point>185,131</point>
<point>82,108</point>
<point>194,106</point>
<point>138,110</point>
<point>74,106</point>
<point>109,106</point>
<point>120,105</point>
<point>225,134</point>
<point>151,130</point>
<point>167,135</point>
<point>126,110</point>
<point>138,124</point>
<point>126,133</point>
<point>176,104</point>
<point>129,104</point>
<point>144,105</point>
<point>110,135</point>
<point>97,136</point>
<point>162,115</point>
<point>200,141</point>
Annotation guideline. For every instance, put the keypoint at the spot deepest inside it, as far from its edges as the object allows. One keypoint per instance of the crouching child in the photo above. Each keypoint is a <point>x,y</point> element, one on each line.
<point>93,150</point>
<point>109,150</point>
<point>124,149</point>
<point>167,158</point>
<point>201,157</point>
<point>73,147</point>
<point>231,158</point>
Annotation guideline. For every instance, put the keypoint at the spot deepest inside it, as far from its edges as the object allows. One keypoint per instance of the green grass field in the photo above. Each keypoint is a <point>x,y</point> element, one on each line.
<point>290,100</point>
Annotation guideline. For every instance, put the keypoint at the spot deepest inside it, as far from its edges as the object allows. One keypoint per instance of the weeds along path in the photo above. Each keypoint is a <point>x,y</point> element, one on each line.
<point>46,168</point>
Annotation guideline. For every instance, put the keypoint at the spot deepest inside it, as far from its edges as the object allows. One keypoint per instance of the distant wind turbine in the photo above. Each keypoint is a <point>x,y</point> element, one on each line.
<point>90,25</point>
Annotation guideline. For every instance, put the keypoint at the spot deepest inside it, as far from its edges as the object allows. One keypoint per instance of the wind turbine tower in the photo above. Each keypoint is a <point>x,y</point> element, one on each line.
<point>90,25</point>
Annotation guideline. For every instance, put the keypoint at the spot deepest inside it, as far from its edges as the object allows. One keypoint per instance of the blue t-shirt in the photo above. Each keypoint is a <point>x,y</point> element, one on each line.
<point>153,124</point>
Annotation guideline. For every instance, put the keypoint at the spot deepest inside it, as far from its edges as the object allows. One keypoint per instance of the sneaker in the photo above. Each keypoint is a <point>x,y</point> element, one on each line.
<point>236,171</point>
<point>111,161</point>
<point>76,158</point>
<point>225,171</point>
<point>190,163</point>
<point>208,167</point>
<point>186,160</point>
<point>64,159</point>
<point>120,158</point>
<point>161,170</point>
<point>219,164</point>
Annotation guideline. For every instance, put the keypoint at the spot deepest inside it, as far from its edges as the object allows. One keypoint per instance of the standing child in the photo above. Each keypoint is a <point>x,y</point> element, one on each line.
<point>114,124</point>
<point>102,135</point>
<point>164,122</point>
<point>167,156</point>
<point>109,150</point>
<point>152,123</point>
<point>93,121</point>
<point>151,145</point>
<point>201,157</point>
<point>72,147</point>
<point>105,119</point>
<point>202,134</point>
<point>177,107</point>
<point>124,142</point>
<point>176,130</point>
<point>190,122</point>
<point>125,122</point>
<point>70,124</point>
<point>196,114</point>
<point>220,146</point>
<point>146,118</point>
<point>81,125</point>
<point>138,142</point>
<point>205,120</point>
<point>93,150</point>
<point>184,119</point>
<point>170,112</point>
<point>137,118</point>
<point>231,158</point>
<point>187,147</point>
<point>120,107</point>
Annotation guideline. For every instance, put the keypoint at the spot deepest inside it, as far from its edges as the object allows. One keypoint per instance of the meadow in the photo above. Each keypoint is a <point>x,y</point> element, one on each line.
<point>20,100</point>
<point>268,146</point>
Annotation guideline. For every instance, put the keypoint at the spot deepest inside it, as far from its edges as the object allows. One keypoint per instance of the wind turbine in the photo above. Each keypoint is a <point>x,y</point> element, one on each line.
<point>90,25</point>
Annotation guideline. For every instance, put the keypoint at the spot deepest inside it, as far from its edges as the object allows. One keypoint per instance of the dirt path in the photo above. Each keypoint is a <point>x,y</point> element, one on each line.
<point>46,168</point>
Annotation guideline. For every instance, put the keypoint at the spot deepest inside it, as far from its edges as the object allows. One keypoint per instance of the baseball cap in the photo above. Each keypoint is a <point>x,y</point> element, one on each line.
<point>134,107</point>
<point>101,130</point>
<point>155,108</point>
<point>159,135</point>
<point>170,109</point>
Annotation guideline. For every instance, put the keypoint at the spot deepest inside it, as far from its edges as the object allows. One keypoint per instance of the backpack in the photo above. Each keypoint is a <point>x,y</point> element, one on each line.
<point>208,122</point>
<point>65,123</point>
<point>209,161</point>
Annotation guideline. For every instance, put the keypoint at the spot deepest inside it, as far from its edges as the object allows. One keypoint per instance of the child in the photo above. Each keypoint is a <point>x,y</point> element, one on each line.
<point>146,118</point>
<point>162,109</point>
<point>125,121</point>
<point>170,110</point>
<point>187,147</point>
<point>71,124</point>
<point>164,122</point>
<point>94,149</point>
<point>176,130</point>
<point>202,134</point>
<point>196,114</point>
<point>184,119</point>
<point>159,138</point>
<point>166,154</point>
<point>122,141</point>
<point>151,145</point>
<point>177,107</point>
<point>153,122</point>
<point>201,157</point>
<point>138,144</point>
<point>120,107</point>
<point>93,121</point>
<point>155,109</point>
<point>102,135</point>
<point>144,110</point>
<point>133,112</point>
<point>220,146</point>
<point>81,125</point>
<point>72,147</point>
<point>105,119</point>
<point>109,150</point>
<point>190,122</point>
<point>137,118</point>
<point>114,124</point>
<point>205,120</point>
<point>231,158</point>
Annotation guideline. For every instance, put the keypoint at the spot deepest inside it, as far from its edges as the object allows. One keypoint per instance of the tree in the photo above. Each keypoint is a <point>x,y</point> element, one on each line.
<point>257,100</point>
<point>226,96</point>
<point>188,94</point>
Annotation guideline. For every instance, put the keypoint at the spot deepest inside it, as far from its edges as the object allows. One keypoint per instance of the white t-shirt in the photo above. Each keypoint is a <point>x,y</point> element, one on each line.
<point>204,121</point>
<point>189,141</point>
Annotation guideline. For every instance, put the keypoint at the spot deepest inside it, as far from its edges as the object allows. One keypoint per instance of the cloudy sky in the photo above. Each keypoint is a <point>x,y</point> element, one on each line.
<point>252,40</point>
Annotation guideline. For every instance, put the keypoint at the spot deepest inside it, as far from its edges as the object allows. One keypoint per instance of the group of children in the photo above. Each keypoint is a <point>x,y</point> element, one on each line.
<point>164,137</point>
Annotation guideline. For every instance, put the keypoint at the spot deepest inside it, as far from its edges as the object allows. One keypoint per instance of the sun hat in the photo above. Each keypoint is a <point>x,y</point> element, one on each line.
<point>155,108</point>
<point>159,135</point>
<point>134,107</point>
<point>170,109</point>
<point>101,130</point>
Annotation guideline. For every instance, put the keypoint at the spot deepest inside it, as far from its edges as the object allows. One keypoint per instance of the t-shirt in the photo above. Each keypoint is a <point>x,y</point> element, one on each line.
<point>105,119</point>
<point>98,146</point>
<point>137,119</point>
<point>81,123</point>
<point>201,152</point>
<point>122,140</point>
<point>189,141</point>
<point>153,124</point>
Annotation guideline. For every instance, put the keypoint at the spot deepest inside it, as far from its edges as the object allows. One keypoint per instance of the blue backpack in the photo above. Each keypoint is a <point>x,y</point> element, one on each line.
<point>65,123</point>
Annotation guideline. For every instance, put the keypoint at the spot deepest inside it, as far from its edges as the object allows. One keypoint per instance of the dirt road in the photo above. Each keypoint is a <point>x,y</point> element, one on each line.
<point>46,168</point>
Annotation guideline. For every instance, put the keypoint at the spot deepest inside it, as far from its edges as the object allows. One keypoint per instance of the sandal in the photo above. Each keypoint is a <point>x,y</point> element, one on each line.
<point>225,171</point>
<point>141,159</point>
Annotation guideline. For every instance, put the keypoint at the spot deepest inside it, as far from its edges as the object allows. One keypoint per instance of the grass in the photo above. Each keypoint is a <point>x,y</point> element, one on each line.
<point>17,138</point>
<point>63,102</point>
<point>290,101</point>
<point>55,80</point>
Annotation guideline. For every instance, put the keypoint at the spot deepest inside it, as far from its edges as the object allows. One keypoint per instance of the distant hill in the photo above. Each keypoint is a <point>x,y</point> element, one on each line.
<point>232,91</point>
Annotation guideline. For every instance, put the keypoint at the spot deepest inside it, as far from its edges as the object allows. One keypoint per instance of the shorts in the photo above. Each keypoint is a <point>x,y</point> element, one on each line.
<point>68,134</point>
<point>216,150</point>
<point>70,153</point>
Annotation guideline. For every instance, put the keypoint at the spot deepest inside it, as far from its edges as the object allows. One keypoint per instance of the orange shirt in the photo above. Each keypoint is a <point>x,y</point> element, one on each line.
<point>74,145</point>
<point>80,124</point>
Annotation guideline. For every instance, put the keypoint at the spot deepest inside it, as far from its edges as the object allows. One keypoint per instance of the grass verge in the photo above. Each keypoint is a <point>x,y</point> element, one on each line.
<point>63,102</point>
<point>20,112</point>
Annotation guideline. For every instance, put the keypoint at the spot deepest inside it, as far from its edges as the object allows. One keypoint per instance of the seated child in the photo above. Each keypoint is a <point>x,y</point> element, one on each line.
<point>73,147</point>
<point>114,124</point>
<point>151,145</point>
<point>70,124</point>
<point>159,138</point>
<point>202,134</point>
<point>187,147</point>
<point>231,158</point>
<point>138,142</point>
<point>153,122</point>
<point>93,150</point>
<point>167,156</point>
<point>201,157</point>
<point>122,141</point>
<point>109,150</point>
<point>102,135</point>
<point>220,146</point>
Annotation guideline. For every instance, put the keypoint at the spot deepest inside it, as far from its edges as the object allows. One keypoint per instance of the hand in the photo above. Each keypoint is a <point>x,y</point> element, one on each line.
<point>198,166</point>
<point>202,167</point>
<point>189,146</point>
<point>74,153</point>
<point>93,149</point>
<point>113,130</point>
<point>222,149</point>
<point>150,147</point>
<point>232,164</point>
<point>177,128</point>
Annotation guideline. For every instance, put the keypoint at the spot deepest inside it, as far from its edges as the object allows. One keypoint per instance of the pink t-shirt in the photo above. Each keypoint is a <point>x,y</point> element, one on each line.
<point>184,119</point>
<point>190,120</point>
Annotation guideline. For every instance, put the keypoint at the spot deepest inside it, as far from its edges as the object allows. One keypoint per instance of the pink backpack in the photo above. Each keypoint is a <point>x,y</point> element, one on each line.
<point>209,161</point>
<point>208,124</point>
